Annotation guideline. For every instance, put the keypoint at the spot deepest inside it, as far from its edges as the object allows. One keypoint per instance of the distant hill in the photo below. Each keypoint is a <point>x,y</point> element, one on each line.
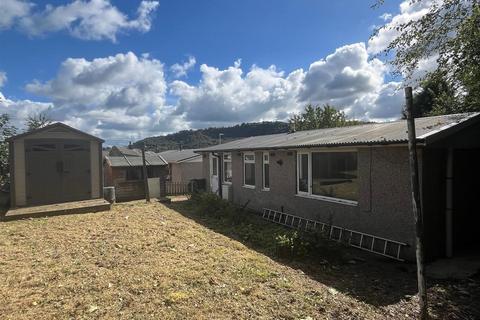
<point>190,139</point>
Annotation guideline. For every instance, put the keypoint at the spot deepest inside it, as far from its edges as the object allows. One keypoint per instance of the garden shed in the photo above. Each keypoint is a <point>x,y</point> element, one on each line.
<point>55,164</point>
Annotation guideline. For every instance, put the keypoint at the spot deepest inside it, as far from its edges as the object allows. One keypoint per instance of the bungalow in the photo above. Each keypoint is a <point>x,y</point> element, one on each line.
<point>354,182</point>
<point>123,169</point>
<point>184,165</point>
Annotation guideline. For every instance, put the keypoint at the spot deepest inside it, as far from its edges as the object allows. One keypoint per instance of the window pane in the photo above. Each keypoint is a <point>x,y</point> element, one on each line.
<point>335,175</point>
<point>214,166</point>
<point>250,174</point>
<point>227,171</point>
<point>266,175</point>
<point>249,157</point>
<point>303,173</point>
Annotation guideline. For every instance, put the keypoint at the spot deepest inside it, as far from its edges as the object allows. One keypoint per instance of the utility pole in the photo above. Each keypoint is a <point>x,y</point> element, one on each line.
<point>145,175</point>
<point>416,204</point>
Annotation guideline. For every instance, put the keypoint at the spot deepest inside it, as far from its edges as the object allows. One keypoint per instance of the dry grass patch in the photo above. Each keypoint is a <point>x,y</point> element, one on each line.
<point>148,261</point>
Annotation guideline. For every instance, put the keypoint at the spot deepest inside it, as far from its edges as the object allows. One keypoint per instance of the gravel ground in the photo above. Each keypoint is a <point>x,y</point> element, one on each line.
<point>149,261</point>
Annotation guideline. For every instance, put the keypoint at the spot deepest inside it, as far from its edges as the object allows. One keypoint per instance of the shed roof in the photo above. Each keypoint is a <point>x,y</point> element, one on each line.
<point>174,156</point>
<point>52,127</point>
<point>151,159</point>
<point>428,130</point>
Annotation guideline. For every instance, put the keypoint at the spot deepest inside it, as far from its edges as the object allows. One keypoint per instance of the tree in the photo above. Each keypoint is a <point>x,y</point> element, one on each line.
<point>435,97</point>
<point>316,117</point>
<point>449,30</point>
<point>6,131</point>
<point>36,121</point>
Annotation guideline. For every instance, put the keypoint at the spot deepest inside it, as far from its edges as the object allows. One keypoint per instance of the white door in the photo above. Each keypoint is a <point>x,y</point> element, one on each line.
<point>213,174</point>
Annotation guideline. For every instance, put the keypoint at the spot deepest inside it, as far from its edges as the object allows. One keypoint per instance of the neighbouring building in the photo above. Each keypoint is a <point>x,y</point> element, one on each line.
<point>123,169</point>
<point>54,164</point>
<point>184,165</point>
<point>357,179</point>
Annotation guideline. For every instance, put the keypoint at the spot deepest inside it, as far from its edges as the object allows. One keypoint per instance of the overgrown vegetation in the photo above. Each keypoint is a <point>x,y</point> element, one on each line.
<point>318,117</point>
<point>278,240</point>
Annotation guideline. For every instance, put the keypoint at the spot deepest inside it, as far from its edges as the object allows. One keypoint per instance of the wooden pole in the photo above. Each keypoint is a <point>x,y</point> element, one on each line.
<point>416,204</point>
<point>145,175</point>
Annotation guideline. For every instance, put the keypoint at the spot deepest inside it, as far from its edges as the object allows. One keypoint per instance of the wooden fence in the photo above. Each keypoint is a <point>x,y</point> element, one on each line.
<point>178,188</point>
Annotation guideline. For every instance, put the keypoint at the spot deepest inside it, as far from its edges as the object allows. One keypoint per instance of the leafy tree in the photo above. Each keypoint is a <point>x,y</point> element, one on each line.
<point>36,121</point>
<point>449,30</point>
<point>6,130</point>
<point>435,97</point>
<point>317,117</point>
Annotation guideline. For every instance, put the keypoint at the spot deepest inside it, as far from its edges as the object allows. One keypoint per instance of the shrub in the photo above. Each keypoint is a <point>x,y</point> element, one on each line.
<point>291,245</point>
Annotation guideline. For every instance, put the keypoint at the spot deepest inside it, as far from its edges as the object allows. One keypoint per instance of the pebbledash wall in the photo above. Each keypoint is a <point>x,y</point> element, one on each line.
<point>384,197</point>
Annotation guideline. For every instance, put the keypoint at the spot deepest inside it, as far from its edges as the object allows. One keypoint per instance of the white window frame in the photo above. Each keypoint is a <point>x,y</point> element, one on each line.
<point>309,174</point>
<point>244,163</point>
<point>264,162</point>
<point>214,167</point>
<point>223,166</point>
<point>309,193</point>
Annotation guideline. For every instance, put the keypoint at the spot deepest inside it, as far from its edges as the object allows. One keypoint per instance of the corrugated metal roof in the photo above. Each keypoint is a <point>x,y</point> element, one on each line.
<point>129,152</point>
<point>173,156</point>
<point>151,159</point>
<point>395,132</point>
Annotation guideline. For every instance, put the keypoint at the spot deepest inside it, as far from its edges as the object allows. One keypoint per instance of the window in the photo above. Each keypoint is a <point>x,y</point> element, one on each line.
<point>266,171</point>
<point>331,174</point>
<point>214,166</point>
<point>227,167</point>
<point>134,173</point>
<point>303,181</point>
<point>249,169</point>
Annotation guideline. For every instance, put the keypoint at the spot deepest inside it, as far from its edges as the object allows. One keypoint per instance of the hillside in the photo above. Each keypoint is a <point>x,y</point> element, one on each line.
<point>190,139</point>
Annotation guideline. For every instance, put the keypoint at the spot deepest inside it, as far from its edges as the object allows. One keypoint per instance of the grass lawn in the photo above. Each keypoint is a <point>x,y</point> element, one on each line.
<point>150,261</point>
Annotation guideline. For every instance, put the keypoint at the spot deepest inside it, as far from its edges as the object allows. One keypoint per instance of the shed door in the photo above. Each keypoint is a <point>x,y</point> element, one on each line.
<point>57,171</point>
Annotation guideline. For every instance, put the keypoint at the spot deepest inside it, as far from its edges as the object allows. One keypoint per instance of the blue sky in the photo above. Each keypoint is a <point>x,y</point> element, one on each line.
<point>106,66</point>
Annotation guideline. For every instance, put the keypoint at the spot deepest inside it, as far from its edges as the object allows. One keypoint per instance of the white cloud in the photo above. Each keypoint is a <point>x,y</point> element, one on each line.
<point>230,96</point>
<point>88,20</point>
<point>117,95</point>
<point>19,110</point>
<point>409,10</point>
<point>342,76</point>
<point>180,70</point>
<point>11,11</point>
<point>386,16</point>
<point>3,78</point>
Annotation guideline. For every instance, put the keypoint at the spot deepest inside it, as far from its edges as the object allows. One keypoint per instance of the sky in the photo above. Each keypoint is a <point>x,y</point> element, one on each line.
<point>124,70</point>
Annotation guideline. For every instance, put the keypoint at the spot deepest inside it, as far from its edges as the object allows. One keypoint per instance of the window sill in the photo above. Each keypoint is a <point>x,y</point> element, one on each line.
<point>265,189</point>
<point>248,186</point>
<point>329,199</point>
<point>227,183</point>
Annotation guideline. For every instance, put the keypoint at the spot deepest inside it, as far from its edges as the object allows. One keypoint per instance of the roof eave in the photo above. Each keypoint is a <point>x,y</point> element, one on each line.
<point>50,126</point>
<point>420,142</point>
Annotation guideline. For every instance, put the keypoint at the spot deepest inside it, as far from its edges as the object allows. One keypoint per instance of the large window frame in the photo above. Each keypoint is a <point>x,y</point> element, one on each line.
<point>309,193</point>
<point>214,166</point>
<point>248,159</point>
<point>265,164</point>
<point>227,160</point>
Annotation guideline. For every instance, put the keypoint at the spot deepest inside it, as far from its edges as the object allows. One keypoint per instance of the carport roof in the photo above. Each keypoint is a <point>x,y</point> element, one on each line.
<point>428,130</point>
<point>53,126</point>
<point>174,156</point>
<point>151,159</point>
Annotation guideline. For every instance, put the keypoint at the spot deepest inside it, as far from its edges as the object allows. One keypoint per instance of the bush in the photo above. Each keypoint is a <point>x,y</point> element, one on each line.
<point>209,204</point>
<point>291,245</point>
